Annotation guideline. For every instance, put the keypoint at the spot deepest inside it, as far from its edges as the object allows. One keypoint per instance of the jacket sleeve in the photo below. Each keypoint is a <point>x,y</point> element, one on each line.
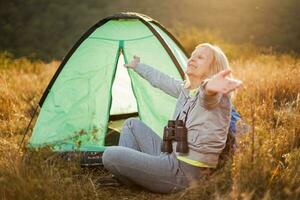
<point>157,79</point>
<point>209,101</point>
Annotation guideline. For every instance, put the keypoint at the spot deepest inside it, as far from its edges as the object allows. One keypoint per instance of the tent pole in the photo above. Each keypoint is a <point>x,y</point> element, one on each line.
<point>26,131</point>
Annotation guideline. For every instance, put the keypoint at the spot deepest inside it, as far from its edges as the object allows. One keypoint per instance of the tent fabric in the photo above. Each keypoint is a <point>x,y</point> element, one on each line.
<point>78,102</point>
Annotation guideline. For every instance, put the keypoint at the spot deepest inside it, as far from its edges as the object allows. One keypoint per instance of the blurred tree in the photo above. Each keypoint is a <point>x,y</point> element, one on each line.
<point>48,29</point>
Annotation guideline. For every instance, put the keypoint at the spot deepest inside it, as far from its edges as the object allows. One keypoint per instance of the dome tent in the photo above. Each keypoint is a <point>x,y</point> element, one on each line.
<point>92,87</point>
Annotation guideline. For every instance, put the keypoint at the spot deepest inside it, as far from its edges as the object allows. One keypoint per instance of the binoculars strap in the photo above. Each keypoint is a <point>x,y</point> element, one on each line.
<point>186,113</point>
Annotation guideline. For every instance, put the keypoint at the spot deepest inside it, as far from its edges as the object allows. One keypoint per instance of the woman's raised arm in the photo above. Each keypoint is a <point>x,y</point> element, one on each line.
<point>169,85</point>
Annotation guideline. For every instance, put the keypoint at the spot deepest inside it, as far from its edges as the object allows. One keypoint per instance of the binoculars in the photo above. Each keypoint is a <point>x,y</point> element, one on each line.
<point>175,130</point>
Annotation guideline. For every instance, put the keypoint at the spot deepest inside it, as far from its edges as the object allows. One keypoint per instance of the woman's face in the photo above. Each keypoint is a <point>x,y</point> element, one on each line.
<point>199,63</point>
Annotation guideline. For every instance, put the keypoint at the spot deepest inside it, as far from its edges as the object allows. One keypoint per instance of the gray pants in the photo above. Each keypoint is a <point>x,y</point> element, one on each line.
<point>139,160</point>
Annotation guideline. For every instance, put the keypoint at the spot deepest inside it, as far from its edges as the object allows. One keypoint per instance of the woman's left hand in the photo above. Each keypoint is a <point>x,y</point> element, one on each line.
<point>220,83</point>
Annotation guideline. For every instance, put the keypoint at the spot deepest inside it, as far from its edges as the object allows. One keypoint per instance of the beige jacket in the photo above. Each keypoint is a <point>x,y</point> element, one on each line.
<point>208,118</point>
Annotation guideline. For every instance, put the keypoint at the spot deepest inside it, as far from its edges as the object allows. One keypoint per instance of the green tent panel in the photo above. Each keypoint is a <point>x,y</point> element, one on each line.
<point>91,85</point>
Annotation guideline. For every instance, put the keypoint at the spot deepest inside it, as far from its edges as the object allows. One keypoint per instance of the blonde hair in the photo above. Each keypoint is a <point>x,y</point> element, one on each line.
<point>219,62</point>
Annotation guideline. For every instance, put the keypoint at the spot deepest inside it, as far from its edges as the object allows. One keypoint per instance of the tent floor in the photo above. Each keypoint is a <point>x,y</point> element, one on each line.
<point>112,137</point>
<point>113,132</point>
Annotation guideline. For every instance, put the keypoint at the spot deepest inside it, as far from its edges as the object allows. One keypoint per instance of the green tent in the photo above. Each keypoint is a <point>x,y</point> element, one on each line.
<point>92,87</point>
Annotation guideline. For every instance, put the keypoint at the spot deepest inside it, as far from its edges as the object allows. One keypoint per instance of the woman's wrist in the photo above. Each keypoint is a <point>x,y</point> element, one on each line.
<point>207,91</point>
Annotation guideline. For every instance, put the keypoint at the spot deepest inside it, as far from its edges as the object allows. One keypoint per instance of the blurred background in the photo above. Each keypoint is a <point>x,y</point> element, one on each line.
<point>47,29</point>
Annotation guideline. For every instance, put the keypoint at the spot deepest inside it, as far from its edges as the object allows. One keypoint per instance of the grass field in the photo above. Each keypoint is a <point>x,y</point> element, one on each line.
<point>266,165</point>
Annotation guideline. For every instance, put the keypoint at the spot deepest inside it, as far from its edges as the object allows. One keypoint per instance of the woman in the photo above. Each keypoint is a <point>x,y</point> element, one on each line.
<point>203,102</point>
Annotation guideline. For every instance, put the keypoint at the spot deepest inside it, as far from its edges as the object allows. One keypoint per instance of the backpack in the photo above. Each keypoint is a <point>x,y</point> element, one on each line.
<point>237,127</point>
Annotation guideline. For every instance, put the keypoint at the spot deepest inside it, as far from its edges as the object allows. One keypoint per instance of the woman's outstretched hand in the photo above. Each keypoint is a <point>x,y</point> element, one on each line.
<point>220,83</point>
<point>133,63</point>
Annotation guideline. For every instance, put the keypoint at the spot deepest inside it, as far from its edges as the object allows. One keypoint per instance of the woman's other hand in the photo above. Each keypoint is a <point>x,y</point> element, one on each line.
<point>133,63</point>
<point>220,83</point>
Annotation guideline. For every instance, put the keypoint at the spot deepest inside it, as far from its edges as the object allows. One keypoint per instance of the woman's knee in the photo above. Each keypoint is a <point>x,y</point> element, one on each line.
<point>131,122</point>
<point>130,125</point>
<point>110,156</point>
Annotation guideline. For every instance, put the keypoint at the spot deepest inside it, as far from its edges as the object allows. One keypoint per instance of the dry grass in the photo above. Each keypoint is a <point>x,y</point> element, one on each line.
<point>266,165</point>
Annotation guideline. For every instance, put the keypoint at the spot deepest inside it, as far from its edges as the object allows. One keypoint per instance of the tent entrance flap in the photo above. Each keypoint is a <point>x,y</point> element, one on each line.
<point>123,99</point>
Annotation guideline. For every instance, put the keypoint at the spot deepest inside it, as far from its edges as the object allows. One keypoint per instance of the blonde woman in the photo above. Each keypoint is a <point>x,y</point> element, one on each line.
<point>204,100</point>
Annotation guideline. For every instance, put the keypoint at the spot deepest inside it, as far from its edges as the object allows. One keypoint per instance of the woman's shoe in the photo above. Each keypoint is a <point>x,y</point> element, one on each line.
<point>91,159</point>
